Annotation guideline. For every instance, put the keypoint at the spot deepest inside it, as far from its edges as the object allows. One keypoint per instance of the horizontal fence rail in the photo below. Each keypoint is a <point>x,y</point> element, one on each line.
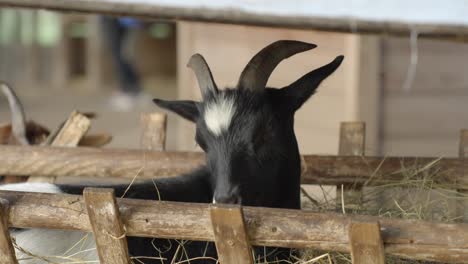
<point>332,170</point>
<point>265,226</point>
<point>388,17</point>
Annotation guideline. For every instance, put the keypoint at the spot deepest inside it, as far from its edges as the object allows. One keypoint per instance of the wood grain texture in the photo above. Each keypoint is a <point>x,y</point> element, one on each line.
<point>69,135</point>
<point>327,170</point>
<point>230,234</point>
<point>153,131</point>
<point>366,243</point>
<point>7,252</point>
<point>104,216</point>
<point>72,131</point>
<point>413,239</point>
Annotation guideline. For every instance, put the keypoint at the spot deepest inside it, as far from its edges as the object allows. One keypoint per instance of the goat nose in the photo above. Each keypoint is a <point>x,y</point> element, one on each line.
<point>227,198</point>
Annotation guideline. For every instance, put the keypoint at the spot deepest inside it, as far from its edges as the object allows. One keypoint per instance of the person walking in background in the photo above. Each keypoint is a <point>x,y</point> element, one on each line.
<point>120,34</point>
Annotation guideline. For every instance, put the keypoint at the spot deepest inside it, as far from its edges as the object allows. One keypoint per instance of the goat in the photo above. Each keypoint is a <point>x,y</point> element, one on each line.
<point>247,134</point>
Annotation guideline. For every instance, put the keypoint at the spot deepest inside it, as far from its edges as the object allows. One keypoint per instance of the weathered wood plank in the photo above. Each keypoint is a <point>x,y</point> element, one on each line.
<point>69,135</point>
<point>109,233</point>
<point>72,131</point>
<point>351,143</point>
<point>329,170</point>
<point>390,17</point>
<point>7,252</point>
<point>153,131</point>
<point>230,235</point>
<point>265,226</point>
<point>366,243</point>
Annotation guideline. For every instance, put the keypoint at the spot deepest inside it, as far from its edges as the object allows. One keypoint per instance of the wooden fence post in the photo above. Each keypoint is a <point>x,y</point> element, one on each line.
<point>366,243</point>
<point>232,242</point>
<point>153,131</point>
<point>69,135</point>
<point>109,233</point>
<point>352,143</point>
<point>7,252</point>
<point>463,154</point>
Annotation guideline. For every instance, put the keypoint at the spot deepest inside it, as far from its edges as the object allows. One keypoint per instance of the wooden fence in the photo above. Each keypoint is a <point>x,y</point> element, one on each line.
<point>263,226</point>
<point>234,229</point>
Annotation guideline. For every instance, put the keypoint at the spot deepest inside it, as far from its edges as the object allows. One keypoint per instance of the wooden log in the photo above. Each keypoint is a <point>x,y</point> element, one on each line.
<point>153,131</point>
<point>265,226</point>
<point>69,135</point>
<point>327,170</point>
<point>7,252</point>
<point>230,235</point>
<point>366,243</point>
<point>352,143</point>
<point>359,17</point>
<point>109,233</point>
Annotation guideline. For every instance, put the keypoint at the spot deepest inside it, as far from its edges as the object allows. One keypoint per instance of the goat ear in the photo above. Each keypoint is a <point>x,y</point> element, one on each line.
<point>297,93</point>
<point>186,109</point>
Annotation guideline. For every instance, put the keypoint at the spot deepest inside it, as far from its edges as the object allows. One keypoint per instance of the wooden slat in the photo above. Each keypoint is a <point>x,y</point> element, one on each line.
<point>390,17</point>
<point>352,139</point>
<point>72,131</point>
<point>232,242</point>
<point>69,135</point>
<point>265,226</point>
<point>366,243</point>
<point>123,163</point>
<point>153,131</point>
<point>7,252</point>
<point>352,143</point>
<point>109,233</point>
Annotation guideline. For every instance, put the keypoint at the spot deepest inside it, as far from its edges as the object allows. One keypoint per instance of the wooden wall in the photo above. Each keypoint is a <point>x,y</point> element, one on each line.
<point>427,119</point>
<point>228,48</point>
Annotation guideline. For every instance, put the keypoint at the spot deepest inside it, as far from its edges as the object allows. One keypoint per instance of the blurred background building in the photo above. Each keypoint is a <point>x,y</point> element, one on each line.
<point>59,62</point>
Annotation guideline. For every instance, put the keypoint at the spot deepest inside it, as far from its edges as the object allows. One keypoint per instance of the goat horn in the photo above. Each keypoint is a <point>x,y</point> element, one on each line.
<point>255,75</point>
<point>203,73</point>
<point>18,119</point>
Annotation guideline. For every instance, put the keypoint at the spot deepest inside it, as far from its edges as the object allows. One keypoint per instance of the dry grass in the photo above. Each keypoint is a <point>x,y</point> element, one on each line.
<point>419,195</point>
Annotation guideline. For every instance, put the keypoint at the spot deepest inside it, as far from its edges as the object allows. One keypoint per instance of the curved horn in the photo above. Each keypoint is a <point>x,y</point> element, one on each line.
<point>203,73</point>
<point>255,75</point>
<point>18,119</point>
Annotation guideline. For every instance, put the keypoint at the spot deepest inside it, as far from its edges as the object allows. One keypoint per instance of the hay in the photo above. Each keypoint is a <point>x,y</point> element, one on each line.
<point>419,195</point>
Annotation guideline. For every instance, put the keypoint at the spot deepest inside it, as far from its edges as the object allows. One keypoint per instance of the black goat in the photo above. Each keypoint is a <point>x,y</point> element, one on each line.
<point>247,133</point>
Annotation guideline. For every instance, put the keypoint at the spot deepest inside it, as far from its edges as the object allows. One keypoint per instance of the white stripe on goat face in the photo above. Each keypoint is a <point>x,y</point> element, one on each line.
<point>218,114</point>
